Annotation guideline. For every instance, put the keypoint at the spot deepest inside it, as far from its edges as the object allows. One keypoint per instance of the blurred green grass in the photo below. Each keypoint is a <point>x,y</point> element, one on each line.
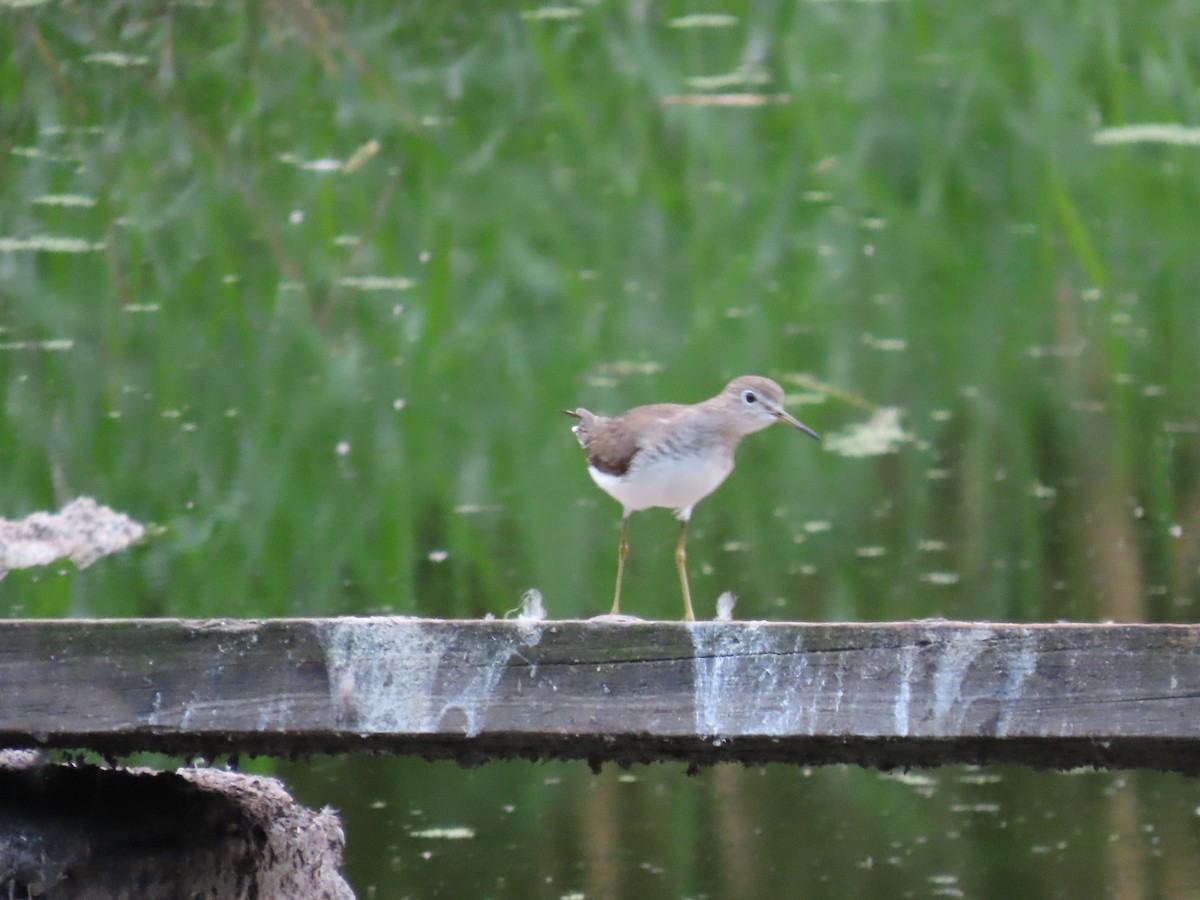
<point>924,221</point>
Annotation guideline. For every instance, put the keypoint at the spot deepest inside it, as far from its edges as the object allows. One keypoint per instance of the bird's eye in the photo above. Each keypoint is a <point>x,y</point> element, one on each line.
<point>750,397</point>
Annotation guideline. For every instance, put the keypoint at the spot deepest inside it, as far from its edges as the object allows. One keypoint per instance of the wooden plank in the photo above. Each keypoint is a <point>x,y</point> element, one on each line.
<point>890,694</point>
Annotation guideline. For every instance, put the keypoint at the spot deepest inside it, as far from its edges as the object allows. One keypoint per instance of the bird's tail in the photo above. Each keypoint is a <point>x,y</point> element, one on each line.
<point>586,421</point>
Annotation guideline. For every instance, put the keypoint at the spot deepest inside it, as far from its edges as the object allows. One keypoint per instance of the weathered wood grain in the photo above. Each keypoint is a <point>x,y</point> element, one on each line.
<point>894,694</point>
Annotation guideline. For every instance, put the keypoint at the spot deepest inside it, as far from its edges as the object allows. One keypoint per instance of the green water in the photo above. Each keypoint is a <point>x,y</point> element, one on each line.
<point>305,288</point>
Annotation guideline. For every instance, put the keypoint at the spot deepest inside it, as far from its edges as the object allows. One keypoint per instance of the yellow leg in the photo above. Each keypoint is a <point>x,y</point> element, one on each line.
<point>622,552</point>
<point>681,563</point>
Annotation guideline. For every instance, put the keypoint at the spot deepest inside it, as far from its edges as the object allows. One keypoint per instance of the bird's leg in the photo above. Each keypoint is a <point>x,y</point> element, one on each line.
<point>681,563</point>
<point>622,552</point>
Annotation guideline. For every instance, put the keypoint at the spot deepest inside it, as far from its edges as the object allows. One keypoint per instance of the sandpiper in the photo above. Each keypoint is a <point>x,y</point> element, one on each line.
<point>673,455</point>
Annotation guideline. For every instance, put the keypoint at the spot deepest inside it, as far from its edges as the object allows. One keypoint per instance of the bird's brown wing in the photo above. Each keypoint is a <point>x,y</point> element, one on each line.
<point>613,444</point>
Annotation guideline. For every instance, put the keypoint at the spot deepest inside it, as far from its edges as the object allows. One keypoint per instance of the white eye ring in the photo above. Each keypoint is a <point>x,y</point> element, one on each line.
<point>749,397</point>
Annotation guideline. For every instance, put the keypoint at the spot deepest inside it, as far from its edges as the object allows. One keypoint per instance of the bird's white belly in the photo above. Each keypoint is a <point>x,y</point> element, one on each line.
<point>672,483</point>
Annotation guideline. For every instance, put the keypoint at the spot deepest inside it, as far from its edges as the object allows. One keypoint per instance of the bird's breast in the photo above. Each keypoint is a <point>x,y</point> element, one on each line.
<point>672,482</point>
